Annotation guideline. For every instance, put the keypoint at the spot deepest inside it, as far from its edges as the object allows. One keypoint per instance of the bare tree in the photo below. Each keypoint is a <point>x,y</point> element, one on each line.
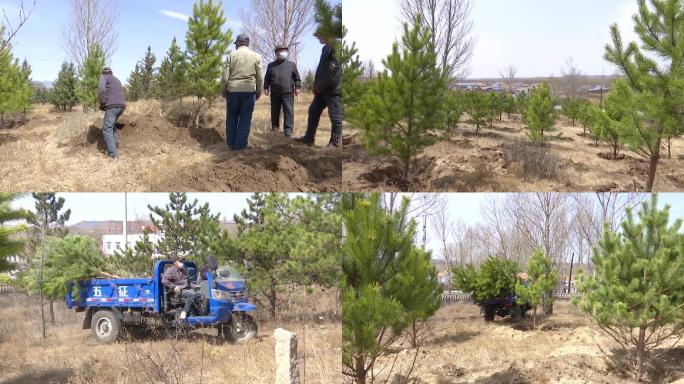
<point>451,28</point>
<point>92,22</point>
<point>11,30</point>
<point>508,74</point>
<point>571,77</point>
<point>271,23</point>
<point>369,71</point>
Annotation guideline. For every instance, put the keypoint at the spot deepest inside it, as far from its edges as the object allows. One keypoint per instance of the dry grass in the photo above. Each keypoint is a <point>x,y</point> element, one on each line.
<point>461,348</point>
<point>70,355</point>
<point>570,162</point>
<point>51,151</point>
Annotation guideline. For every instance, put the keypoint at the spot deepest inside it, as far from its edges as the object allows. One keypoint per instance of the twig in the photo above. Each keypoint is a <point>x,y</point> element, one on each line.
<point>12,32</point>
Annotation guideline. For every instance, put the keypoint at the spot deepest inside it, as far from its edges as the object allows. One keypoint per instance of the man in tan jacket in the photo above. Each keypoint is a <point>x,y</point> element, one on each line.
<point>242,84</point>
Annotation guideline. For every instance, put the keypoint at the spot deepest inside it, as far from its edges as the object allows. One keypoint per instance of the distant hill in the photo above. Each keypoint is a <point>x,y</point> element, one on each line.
<point>96,229</point>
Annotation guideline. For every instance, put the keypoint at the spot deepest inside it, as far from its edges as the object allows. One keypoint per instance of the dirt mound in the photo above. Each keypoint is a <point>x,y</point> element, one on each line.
<point>139,134</point>
<point>287,167</point>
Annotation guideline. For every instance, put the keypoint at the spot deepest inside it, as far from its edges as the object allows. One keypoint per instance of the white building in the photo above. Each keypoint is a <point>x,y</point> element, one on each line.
<point>112,243</point>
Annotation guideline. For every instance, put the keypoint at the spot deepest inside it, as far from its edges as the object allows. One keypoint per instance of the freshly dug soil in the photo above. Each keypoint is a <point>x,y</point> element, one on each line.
<point>288,167</point>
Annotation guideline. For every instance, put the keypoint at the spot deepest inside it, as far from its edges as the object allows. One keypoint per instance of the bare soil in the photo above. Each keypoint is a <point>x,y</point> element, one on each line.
<point>460,347</point>
<point>70,355</point>
<point>500,159</point>
<point>65,151</point>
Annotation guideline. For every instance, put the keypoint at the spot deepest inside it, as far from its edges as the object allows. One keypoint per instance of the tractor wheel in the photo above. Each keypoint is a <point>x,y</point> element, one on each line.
<point>240,329</point>
<point>489,313</point>
<point>105,326</point>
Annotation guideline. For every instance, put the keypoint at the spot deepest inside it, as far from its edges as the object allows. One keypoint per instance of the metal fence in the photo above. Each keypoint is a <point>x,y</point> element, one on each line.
<point>462,296</point>
<point>7,289</point>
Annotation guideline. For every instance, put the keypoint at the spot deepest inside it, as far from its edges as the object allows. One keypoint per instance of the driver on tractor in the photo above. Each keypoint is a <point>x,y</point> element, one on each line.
<point>176,279</point>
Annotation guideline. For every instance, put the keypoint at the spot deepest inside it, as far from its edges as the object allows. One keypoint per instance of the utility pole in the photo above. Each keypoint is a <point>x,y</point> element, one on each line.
<point>125,222</point>
<point>603,74</point>
<point>572,260</point>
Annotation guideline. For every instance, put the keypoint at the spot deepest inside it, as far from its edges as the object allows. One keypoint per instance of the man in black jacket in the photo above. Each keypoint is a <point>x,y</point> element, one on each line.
<point>327,94</point>
<point>113,103</point>
<point>282,83</point>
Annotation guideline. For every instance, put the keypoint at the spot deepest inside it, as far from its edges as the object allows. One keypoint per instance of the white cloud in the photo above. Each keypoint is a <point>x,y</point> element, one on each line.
<point>174,14</point>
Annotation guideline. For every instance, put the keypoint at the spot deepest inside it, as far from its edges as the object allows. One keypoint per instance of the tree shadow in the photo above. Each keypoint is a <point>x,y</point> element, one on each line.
<point>512,375</point>
<point>454,338</point>
<point>51,376</point>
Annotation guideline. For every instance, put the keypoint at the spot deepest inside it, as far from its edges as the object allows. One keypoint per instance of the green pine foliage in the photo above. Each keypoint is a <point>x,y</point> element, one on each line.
<point>586,116</point>
<point>187,229</point>
<point>454,105</point>
<point>206,45</point>
<point>16,89</point>
<point>477,106</point>
<point>495,279</point>
<point>89,78</point>
<point>405,104</point>
<point>137,261</point>
<point>522,101</point>
<point>507,105</point>
<point>613,124</point>
<point>143,80</point>
<point>572,109</point>
<point>654,70</point>
<point>287,240</point>
<point>540,114</point>
<point>388,284</point>
<point>63,94</point>
<point>11,243</point>
<point>636,293</point>
<point>173,74</point>
<point>541,278</point>
<point>70,259</point>
<point>308,82</point>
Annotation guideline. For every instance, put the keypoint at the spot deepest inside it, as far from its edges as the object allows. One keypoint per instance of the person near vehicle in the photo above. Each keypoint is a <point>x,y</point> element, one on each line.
<point>113,104</point>
<point>242,84</point>
<point>176,279</point>
<point>282,83</point>
<point>327,94</point>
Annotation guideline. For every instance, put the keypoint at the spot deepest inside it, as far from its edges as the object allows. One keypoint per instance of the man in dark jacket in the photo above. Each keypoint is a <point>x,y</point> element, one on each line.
<point>113,103</point>
<point>283,83</point>
<point>176,279</point>
<point>327,94</point>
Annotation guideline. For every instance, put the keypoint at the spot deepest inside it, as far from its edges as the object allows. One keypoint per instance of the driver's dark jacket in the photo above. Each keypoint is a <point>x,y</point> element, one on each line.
<point>175,277</point>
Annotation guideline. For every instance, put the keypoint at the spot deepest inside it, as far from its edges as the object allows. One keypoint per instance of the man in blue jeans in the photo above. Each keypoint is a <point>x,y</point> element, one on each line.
<point>242,83</point>
<point>113,103</point>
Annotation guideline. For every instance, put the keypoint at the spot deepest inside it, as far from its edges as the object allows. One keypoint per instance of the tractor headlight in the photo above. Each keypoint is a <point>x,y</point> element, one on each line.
<point>221,295</point>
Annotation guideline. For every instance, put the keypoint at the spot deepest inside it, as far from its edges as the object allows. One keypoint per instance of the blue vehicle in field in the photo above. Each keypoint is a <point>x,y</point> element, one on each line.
<point>503,306</point>
<point>142,304</point>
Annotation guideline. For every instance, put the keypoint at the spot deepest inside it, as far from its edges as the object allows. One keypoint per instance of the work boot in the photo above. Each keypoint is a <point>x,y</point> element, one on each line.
<point>305,140</point>
<point>335,141</point>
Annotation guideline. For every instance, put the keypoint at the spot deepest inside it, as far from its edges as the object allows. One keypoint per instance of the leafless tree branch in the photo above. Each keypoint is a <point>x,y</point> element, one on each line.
<point>12,31</point>
<point>92,22</point>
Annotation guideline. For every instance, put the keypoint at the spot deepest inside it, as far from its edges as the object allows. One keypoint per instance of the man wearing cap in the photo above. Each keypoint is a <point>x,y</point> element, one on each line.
<point>327,94</point>
<point>113,103</point>
<point>242,85</point>
<point>176,279</point>
<point>282,83</point>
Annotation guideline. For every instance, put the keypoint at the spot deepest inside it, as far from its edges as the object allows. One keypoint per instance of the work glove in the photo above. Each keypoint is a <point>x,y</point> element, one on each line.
<point>103,107</point>
<point>258,95</point>
<point>267,92</point>
<point>176,289</point>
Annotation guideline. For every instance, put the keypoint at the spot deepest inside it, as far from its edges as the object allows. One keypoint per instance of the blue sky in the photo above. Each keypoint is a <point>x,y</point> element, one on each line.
<point>537,36</point>
<point>141,23</point>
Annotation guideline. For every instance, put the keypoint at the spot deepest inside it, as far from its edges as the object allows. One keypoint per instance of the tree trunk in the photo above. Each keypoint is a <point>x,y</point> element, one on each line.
<point>272,297</point>
<point>534,317</point>
<point>652,173</point>
<point>406,170</point>
<point>360,372</point>
<point>640,354</point>
<point>52,311</point>
<point>669,148</point>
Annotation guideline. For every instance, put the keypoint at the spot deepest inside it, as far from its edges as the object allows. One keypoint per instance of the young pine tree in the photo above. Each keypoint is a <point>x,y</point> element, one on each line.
<point>206,45</point>
<point>63,94</point>
<point>572,108</point>
<point>137,261</point>
<point>172,74</point>
<point>405,103</point>
<point>612,124</point>
<point>387,283</point>
<point>89,78</point>
<point>308,82</point>
<point>134,86</point>
<point>16,91</point>
<point>71,259</point>
<point>540,114</point>
<point>187,229</point>
<point>636,292</point>
<point>541,278</point>
<point>478,109</point>
<point>495,279</point>
<point>654,70</point>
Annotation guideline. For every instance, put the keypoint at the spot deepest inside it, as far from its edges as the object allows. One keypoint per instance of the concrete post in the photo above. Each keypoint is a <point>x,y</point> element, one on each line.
<point>287,365</point>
